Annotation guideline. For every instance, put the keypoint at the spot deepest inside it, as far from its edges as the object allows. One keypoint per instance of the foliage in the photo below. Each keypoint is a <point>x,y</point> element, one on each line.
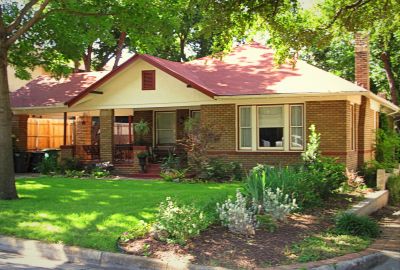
<point>354,182</point>
<point>75,173</point>
<point>255,185</point>
<point>387,148</point>
<point>94,213</point>
<point>71,164</point>
<point>172,161</point>
<point>141,128</point>
<point>277,204</point>
<point>312,152</point>
<point>237,216</point>
<point>142,154</point>
<point>48,165</point>
<point>218,170</point>
<point>326,245</point>
<point>177,223</point>
<point>351,224</point>
<point>98,172</point>
<point>137,231</point>
<point>393,185</point>
<point>369,171</point>
<point>196,143</point>
<point>266,222</point>
<point>174,175</point>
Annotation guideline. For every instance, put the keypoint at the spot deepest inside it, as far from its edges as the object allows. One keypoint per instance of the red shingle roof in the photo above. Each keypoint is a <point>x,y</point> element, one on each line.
<point>48,91</point>
<point>247,70</point>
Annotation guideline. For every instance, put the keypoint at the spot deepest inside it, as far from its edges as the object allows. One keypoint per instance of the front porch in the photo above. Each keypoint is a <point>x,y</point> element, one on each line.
<point>108,135</point>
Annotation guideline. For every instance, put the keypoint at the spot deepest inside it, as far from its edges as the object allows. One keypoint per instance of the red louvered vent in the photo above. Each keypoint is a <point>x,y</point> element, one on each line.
<point>148,80</point>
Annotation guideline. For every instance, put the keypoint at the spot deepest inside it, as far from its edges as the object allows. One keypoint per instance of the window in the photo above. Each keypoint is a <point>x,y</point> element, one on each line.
<point>296,127</point>
<point>195,115</point>
<point>352,127</point>
<point>245,127</point>
<point>165,128</point>
<point>148,80</point>
<point>270,126</point>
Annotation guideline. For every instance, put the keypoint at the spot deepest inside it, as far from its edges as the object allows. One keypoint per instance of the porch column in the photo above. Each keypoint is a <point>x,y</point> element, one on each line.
<point>106,135</point>
<point>20,131</point>
<point>65,129</point>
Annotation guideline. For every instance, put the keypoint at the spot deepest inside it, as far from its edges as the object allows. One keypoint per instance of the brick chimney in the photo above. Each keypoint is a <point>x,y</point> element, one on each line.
<point>361,48</point>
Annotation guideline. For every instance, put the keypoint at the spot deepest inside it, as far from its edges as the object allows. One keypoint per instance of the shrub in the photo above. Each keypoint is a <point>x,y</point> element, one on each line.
<point>351,224</point>
<point>71,164</point>
<point>48,166</point>
<point>237,216</point>
<point>75,174</point>
<point>174,175</point>
<point>393,185</point>
<point>139,230</point>
<point>177,223</point>
<point>217,169</point>
<point>277,204</point>
<point>255,185</point>
<point>266,222</point>
<point>387,148</point>
<point>171,162</point>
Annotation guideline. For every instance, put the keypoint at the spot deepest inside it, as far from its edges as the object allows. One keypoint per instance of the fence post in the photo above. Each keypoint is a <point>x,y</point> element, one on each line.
<point>381,179</point>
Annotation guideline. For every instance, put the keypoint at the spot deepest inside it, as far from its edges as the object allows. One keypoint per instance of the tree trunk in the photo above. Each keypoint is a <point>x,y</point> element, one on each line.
<point>182,44</point>
<point>76,65</point>
<point>7,178</point>
<point>87,59</point>
<point>385,57</point>
<point>118,51</point>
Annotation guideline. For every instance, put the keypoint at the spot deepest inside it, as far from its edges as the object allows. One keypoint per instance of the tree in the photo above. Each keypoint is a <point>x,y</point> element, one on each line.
<point>24,44</point>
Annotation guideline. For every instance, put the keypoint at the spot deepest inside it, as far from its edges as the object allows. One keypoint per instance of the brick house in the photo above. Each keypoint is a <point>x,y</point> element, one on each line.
<point>262,111</point>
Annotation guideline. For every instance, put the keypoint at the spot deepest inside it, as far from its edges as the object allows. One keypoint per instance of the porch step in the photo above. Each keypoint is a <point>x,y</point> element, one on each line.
<point>153,171</point>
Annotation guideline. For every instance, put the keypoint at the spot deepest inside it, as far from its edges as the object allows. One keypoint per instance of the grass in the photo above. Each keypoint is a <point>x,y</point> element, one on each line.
<point>326,245</point>
<point>93,213</point>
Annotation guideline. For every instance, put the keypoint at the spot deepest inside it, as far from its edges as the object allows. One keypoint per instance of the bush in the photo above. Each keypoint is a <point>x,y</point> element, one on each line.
<point>138,231</point>
<point>352,224</point>
<point>48,166</point>
<point>75,174</point>
<point>174,175</point>
<point>177,223</point>
<point>71,164</point>
<point>393,185</point>
<point>217,169</point>
<point>237,216</point>
<point>171,162</point>
<point>277,204</point>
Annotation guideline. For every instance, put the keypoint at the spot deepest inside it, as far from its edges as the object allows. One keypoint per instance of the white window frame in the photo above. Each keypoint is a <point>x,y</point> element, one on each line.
<point>290,127</point>
<point>255,129</point>
<point>158,129</point>
<point>241,127</point>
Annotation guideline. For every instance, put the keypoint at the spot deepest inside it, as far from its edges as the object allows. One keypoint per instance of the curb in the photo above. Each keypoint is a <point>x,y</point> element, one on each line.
<point>70,254</point>
<point>91,257</point>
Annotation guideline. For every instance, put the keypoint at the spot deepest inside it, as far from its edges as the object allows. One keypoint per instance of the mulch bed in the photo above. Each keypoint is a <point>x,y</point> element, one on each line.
<point>218,247</point>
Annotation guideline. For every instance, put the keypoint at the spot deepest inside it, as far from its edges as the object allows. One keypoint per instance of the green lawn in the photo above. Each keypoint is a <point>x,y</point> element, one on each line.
<point>92,213</point>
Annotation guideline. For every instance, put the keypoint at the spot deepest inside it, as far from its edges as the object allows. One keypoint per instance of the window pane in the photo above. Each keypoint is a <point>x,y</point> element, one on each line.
<point>296,116</point>
<point>165,120</point>
<point>270,117</point>
<point>245,137</point>
<point>245,117</point>
<point>196,115</point>
<point>165,136</point>
<point>271,137</point>
<point>296,139</point>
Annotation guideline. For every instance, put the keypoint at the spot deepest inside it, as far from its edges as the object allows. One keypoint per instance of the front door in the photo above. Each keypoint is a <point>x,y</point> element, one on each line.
<point>165,128</point>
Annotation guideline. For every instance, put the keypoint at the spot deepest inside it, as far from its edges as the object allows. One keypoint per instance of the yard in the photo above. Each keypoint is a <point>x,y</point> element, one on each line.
<point>92,213</point>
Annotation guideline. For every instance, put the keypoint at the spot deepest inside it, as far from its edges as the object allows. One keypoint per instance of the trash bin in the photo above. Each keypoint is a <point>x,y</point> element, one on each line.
<point>21,161</point>
<point>36,158</point>
<point>51,153</point>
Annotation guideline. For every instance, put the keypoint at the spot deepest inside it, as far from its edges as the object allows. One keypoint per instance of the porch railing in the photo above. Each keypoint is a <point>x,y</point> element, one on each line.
<point>123,153</point>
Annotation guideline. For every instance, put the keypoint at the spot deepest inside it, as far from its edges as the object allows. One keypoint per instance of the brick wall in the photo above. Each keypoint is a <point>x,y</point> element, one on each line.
<point>366,138</point>
<point>106,135</point>
<point>20,131</point>
<point>148,117</point>
<point>222,119</point>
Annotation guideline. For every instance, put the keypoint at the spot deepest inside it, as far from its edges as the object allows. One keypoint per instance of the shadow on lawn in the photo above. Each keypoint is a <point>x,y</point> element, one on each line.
<point>91,213</point>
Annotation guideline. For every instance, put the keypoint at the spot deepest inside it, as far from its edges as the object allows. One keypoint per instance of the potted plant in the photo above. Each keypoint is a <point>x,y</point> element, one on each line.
<point>142,156</point>
<point>141,129</point>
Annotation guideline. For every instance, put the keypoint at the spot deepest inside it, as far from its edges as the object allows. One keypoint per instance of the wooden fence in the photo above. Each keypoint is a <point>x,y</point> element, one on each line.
<point>48,133</point>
